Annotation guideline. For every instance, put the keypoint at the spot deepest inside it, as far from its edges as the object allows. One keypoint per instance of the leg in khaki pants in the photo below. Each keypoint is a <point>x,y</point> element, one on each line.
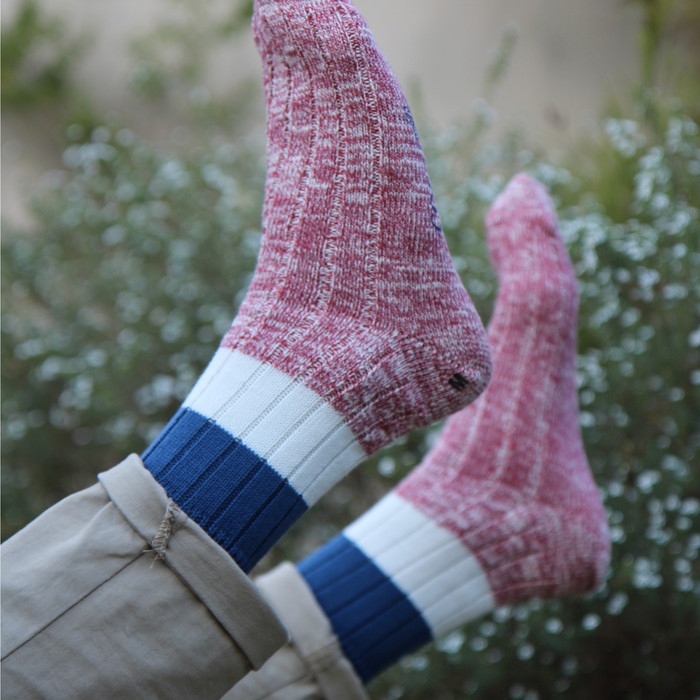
<point>91,610</point>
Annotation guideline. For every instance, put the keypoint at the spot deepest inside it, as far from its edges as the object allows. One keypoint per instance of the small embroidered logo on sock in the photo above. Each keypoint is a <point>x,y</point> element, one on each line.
<point>434,214</point>
<point>458,382</point>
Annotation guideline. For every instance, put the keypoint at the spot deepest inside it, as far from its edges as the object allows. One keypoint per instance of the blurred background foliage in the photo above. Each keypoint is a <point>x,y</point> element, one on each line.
<point>176,53</point>
<point>141,253</point>
<point>38,58</point>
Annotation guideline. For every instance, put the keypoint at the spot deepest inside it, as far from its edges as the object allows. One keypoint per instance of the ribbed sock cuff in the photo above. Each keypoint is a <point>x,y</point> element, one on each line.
<point>248,453</point>
<point>393,581</point>
<point>373,618</point>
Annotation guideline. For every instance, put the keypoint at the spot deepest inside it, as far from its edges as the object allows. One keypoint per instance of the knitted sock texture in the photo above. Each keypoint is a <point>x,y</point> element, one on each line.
<point>356,328</point>
<point>504,507</point>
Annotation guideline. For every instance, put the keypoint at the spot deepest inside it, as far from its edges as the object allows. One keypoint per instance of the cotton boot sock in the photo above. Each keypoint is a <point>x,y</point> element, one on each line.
<point>356,328</point>
<point>504,507</point>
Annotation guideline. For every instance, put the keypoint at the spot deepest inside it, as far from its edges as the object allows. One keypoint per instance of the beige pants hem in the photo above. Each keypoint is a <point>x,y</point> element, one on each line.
<point>313,666</point>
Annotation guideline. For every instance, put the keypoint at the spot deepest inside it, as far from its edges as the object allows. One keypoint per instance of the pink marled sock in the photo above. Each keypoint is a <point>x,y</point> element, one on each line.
<point>355,293</point>
<point>509,475</point>
<point>356,328</point>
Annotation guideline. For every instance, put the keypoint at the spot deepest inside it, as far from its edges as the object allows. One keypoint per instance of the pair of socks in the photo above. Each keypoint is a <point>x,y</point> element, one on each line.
<point>357,330</point>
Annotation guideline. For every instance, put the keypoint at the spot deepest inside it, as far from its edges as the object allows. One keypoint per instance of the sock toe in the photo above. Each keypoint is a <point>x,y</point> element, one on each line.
<point>521,219</point>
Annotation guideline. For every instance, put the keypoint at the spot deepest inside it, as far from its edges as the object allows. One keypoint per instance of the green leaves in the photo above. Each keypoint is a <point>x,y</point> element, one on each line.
<point>37,59</point>
<point>116,305</point>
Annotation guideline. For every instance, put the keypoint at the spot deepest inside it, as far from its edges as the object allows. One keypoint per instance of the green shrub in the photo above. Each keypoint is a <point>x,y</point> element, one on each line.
<point>114,307</point>
<point>37,59</point>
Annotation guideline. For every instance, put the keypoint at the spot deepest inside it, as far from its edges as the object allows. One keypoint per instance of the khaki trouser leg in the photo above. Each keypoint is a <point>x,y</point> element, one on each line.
<point>91,610</point>
<point>312,666</point>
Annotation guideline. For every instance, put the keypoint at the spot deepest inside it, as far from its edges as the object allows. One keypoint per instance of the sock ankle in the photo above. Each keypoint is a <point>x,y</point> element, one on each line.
<point>356,328</point>
<point>504,507</point>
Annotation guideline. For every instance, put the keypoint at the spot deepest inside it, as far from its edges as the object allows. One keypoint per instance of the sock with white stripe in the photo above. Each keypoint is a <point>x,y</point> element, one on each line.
<point>356,328</point>
<point>504,507</point>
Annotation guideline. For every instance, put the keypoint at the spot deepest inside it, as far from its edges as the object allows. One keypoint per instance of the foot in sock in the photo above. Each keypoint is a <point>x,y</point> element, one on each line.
<point>504,507</point>
<point>356,328</point>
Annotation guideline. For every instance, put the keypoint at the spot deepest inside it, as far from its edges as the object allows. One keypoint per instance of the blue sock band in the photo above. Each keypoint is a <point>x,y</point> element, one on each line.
<point>248,453</point>
<point>374,620</point>
<point>225,487</point>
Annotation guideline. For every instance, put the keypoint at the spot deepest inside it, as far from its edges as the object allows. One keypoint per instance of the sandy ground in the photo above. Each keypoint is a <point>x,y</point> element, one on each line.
<point>572,56</point>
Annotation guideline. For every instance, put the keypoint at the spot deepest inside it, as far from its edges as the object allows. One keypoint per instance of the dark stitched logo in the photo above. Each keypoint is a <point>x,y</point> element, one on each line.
<point>434,215</point>
<point>458,382</point>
